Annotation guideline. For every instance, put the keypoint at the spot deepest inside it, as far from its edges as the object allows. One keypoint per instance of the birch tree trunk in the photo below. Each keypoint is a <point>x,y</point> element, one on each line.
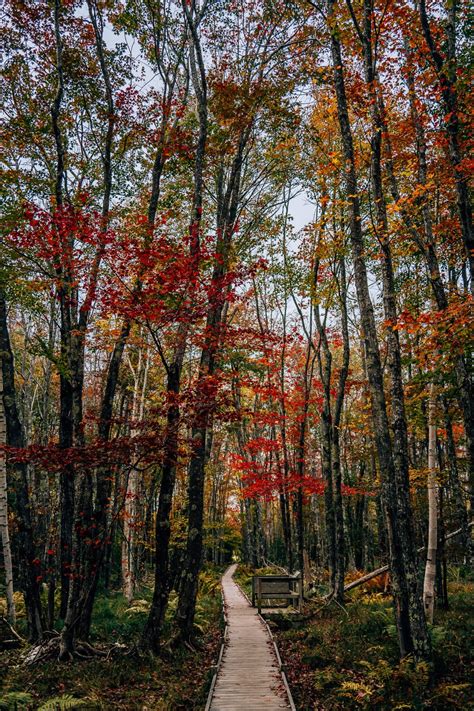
<point>430,569</point>
<point>128,538</point>
<point>129,545</point>
<point>6,547</point>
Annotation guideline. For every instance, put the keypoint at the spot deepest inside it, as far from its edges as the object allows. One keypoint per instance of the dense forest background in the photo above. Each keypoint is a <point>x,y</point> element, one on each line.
<point>188,377</point>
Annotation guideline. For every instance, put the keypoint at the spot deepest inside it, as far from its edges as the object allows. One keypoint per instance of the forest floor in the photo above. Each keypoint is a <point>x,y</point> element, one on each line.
<point>176,681</point>
<point>347,658</point>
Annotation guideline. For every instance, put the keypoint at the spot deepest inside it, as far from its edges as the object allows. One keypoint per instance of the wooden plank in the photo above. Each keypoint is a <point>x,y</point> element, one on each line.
<point>275,586</point>
<point>249,677</point>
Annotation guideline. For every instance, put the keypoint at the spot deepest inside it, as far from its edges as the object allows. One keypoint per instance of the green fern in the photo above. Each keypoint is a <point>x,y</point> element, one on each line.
<point>439,635</point>
<point>209,584</point>
<point>355,690</point>
<point>62,703</point>
<point>15,700</point>
<point>138,607</point>
<point>173,603</point>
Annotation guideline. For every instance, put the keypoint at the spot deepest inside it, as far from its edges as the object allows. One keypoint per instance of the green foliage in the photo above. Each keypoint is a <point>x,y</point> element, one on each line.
<point>317,658</point>
<point>348,659</point>
<point>459,573</point>
<point>179,681</point>
<point>439,635</point>
<point>15,700</point>
<point>209,584</point>
<point>221,534</point>
<point>138,607</point>
<point>112,621</point>
<point>62,703</point>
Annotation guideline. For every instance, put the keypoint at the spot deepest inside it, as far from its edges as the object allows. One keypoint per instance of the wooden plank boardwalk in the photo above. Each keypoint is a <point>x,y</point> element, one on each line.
<point>249,678</point>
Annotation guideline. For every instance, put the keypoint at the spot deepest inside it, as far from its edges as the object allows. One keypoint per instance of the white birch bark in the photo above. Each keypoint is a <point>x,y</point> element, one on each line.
<point>430,569</point>
<point>140,374</point>
<point>129,507</point>
<point>5,534</point>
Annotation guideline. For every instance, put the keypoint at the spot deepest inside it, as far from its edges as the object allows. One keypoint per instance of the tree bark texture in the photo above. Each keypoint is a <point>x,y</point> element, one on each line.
<point>431,551</point>
<point>411,623</point>
<point>24,538</point>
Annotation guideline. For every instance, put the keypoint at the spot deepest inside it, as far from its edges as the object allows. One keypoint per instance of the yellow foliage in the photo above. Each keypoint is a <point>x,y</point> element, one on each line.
<point>19,605</point>
<point>355,690</point>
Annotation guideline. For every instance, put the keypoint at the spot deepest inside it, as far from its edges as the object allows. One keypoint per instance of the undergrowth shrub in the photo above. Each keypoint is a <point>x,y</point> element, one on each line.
<point>340,659</point>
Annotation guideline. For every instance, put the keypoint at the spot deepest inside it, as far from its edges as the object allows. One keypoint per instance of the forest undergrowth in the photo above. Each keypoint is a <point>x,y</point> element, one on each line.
<point>124,680</point>
<point>339,658</point>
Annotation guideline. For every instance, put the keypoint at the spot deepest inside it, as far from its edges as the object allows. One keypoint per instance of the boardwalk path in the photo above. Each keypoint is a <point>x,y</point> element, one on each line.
<point>249,678</point>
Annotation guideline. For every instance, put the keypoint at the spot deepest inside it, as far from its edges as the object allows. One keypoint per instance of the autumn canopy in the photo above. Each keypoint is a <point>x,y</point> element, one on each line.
<point>236,314</point>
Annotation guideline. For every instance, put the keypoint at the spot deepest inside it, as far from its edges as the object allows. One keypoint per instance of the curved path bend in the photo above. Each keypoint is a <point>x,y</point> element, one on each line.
<point>249,678</point>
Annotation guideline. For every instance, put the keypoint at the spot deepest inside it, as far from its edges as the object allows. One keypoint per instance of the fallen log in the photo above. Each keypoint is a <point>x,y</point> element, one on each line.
<point>385,568</point>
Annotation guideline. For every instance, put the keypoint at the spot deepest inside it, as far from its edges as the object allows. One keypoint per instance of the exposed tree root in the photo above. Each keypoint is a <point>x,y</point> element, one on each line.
<point>49,650</point>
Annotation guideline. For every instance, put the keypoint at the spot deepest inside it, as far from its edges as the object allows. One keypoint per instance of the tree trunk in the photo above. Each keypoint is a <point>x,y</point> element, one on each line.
<point>154,625</point>
<point>462,517</point>
<point>80,618</point>
<point>193,558</point>
<point>24,536</point>
<point>411,623</point>
<point>4,527</point>
<point>430,569</point>
<point>325,367</point>
<point>131,504</point>
<point>66,480</point>
<point>206,390</point>
<point>330,423</point>
<point>335,440</point>
<point>128,543</point>
<point>464,381</point>
<point>286,528</point>
<point>447,83</point>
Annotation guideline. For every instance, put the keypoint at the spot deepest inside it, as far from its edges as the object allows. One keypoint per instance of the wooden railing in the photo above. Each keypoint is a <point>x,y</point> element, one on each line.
<point>277,587</point>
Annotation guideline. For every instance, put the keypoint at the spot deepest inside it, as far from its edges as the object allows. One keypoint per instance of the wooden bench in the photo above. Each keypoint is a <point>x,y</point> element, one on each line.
<point>277,587</point>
